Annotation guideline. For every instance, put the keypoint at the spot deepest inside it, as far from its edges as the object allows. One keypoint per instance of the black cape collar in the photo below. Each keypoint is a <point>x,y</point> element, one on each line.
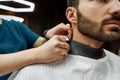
<point>86,51</point>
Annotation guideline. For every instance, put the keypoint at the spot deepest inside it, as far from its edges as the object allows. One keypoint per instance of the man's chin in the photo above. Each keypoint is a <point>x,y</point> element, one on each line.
<point>111,38</point>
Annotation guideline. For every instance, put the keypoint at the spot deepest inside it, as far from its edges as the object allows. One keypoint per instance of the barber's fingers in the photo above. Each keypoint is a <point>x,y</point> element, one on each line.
<point>56,48</point>
<point>66,30</point>
<point>60,41</point>
<point>65,46</point>
<point>69,31</point>
<point>61,38</point>
<point>63,54</point>
<point>63,49</point>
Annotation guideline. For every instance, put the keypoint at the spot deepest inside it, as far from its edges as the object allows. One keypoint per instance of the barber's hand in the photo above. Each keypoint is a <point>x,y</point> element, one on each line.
<point>54,49</point>
<point>60,29</point>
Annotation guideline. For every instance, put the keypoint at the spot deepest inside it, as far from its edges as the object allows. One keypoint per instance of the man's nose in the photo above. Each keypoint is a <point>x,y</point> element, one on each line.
<point>114,7</point>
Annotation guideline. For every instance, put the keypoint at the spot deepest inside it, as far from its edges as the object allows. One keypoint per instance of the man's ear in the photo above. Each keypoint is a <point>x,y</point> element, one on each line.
<point>71,14</point>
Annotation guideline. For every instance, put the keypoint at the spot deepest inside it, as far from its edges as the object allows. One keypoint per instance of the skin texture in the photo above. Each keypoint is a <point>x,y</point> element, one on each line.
<point>95,21</point>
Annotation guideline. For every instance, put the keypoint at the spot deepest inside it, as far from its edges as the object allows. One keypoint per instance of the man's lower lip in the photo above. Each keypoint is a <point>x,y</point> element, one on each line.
<point>112,25</point>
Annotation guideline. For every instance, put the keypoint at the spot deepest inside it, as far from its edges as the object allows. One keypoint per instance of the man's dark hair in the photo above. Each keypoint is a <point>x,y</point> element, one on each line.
<point>72,3</point>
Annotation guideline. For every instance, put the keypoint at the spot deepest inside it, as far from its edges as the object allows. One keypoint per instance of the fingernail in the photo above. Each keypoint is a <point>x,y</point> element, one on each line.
<point>67,24</point>
<point>67,39</point>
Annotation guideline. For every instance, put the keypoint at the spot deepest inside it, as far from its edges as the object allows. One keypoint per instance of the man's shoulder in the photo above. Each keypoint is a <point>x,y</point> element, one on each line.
<point>111,54</point>
<point>113,58</point>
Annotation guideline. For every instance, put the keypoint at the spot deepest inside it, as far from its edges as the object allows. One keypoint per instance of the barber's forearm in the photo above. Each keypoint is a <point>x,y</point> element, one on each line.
<point>39,41</point>
<point>14,61</point>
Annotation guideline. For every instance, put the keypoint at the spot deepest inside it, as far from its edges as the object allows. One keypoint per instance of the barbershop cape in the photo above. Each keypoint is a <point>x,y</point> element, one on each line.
<point>73,67</point>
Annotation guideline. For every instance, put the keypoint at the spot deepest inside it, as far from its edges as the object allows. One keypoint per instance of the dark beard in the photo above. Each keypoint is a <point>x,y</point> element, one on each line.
<point>94,30</point>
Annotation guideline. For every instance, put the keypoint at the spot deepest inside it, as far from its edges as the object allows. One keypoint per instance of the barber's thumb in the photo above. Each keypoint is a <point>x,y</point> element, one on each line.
<point>69,31</point>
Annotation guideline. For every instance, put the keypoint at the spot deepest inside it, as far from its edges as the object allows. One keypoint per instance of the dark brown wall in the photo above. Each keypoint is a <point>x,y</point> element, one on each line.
<point>47,14</point>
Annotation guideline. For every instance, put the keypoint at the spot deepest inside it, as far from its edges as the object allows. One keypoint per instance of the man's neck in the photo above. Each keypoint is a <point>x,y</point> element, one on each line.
<point>86,40</point>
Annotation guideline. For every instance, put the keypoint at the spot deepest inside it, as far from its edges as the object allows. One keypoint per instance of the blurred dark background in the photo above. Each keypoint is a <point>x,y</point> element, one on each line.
<point>47,14</point>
